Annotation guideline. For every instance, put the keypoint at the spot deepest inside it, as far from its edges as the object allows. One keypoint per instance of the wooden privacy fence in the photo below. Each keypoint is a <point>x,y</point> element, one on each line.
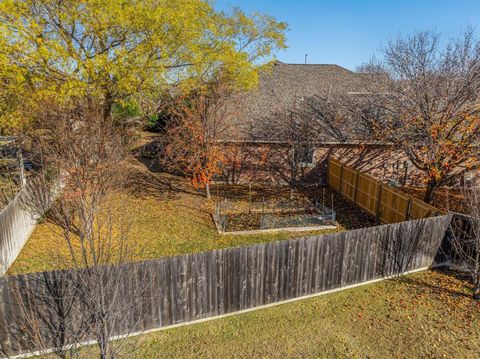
<point>386,203</point>
<point>160,293</point>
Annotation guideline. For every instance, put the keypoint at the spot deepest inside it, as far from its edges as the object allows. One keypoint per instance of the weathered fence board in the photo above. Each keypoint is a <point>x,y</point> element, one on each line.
<point>16,225</point>
<point>201,285</point>
<point>386,203</point>
<point>19,218</point>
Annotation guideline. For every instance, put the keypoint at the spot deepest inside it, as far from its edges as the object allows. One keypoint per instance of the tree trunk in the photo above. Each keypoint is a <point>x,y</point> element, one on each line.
<point>476,288</point>
<point>107,106</point>
<point>432,187</point>
<point>207,190</point>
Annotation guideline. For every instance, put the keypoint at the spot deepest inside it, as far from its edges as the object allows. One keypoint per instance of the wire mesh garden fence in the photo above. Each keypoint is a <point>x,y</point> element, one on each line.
<point>295,213</point>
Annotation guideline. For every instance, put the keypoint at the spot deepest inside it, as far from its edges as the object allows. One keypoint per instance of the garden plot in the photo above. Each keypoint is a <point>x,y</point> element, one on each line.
<point>285,215</point>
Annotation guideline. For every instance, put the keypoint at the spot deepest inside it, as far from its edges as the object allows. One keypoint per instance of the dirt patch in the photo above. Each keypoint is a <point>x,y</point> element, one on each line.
<point>349,216</point>
<point>445,199</point>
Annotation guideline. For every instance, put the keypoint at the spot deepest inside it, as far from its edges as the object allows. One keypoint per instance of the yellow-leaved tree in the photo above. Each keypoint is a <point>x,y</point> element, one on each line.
<point>119,51</point>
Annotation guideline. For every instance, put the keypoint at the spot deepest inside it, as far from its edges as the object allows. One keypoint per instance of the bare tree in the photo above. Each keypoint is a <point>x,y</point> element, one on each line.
<point>424,99</point>
<point>465,238</point>
<point>335,119</point>
<point>291,147</point>
<point>82,156</point>
<point>293,135</point>
<point>51,318</point>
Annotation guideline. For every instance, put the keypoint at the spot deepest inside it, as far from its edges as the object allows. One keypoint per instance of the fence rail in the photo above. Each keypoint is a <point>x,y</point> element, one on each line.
<point>386,203</point>
<point>201,285</point>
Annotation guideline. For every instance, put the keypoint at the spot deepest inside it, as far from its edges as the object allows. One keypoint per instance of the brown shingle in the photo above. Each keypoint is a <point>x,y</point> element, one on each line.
<point>283,85</point>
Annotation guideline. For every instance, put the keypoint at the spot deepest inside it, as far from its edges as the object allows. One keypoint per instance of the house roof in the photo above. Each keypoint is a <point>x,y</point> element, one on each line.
<point>282,85</point>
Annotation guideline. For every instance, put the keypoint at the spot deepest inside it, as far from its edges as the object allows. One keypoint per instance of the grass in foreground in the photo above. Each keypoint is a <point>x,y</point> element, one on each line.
<point>167,217</point>
<point>424,315</point>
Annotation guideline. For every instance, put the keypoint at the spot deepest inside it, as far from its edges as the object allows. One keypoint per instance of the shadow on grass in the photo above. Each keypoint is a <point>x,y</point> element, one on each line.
<point>154,182</point>
<point>197,215</point>
<point>437,286</point>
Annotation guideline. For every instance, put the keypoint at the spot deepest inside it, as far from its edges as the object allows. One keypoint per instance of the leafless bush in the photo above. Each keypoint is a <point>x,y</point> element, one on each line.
<point>50,316</point>
<point>293,134</point>
<point>82,157</point>
<point>291,145</point>
<point>465,238</point>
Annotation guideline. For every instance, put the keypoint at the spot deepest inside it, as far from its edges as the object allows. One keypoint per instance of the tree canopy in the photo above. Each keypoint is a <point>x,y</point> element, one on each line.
<point>121,51</point>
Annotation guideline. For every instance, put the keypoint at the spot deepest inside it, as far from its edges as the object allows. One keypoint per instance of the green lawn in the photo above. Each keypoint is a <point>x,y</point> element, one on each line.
<point>167,216</point>
<point>424,315</point>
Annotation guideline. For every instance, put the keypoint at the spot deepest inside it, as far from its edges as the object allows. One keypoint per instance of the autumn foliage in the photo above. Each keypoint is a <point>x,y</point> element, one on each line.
<point>192,136</point>
<point>122,51</point>
<point>191,149</point>
<point>426,103</point>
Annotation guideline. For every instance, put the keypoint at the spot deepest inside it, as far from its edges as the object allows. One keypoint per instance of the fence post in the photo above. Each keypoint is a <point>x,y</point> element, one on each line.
<point>405,174</point>
<point>379,198</point>
<point>409,209</point>
<point>341,179</point>
<point>356,187</point>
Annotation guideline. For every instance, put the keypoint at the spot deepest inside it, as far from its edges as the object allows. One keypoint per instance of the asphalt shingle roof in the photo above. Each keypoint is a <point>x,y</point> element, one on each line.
<point>282,85</point>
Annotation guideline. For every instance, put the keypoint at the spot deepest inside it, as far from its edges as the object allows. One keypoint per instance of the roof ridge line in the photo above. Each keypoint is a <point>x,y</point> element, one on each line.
<point>290,63</point>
